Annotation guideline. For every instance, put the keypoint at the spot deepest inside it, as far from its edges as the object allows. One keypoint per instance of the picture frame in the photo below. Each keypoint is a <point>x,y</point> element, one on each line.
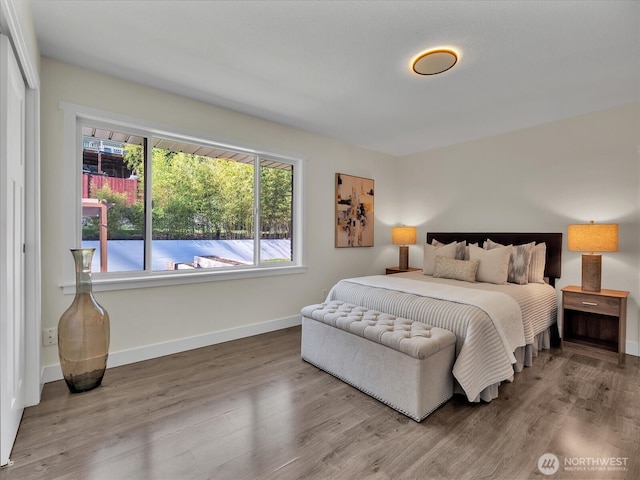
<point>354,221</point>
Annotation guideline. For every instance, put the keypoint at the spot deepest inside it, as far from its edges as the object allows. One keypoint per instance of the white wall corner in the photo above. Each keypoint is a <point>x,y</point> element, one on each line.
<point>632,348</point>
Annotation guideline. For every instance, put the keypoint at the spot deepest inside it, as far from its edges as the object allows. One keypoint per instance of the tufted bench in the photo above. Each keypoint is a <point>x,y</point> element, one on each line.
<point>403,363</point>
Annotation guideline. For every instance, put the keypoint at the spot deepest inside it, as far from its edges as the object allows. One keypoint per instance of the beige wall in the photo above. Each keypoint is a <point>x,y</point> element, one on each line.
<point>540,179</point>
<point>149,316</point>
<point>537,179</point>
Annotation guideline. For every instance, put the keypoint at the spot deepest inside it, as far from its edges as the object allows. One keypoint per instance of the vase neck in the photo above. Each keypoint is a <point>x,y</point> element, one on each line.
<point>82,258</point>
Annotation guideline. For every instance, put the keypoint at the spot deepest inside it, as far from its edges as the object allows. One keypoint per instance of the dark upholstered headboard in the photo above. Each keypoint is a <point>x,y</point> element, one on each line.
<point>553,241</point>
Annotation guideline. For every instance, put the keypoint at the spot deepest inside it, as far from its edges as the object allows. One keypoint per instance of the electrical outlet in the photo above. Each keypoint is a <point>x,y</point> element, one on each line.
<point>49,336</point>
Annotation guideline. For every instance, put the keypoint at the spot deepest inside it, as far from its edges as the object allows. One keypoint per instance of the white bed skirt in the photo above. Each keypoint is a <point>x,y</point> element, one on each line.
<point>524,358</point>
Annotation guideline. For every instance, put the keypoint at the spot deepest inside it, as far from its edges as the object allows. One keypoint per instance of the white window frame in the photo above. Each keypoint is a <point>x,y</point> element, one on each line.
<point>74,116</point>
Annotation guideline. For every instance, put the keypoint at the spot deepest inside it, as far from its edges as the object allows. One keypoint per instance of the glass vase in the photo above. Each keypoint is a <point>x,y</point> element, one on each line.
<point>83,331</point>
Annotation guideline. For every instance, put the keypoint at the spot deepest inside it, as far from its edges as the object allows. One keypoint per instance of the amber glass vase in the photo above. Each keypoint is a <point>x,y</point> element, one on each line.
<point>83,331</point>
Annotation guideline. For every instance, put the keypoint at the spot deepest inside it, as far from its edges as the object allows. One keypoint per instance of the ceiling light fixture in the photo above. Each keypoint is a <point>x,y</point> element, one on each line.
<point>434,61</point>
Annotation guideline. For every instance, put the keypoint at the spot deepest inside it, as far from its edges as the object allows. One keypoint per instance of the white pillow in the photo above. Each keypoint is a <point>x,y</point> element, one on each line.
<point>430,253</point>
<point>519,261</point>
<point>494,264</point>
<point>460,247</point>
<point>466,250</point>
<point>538,262</point>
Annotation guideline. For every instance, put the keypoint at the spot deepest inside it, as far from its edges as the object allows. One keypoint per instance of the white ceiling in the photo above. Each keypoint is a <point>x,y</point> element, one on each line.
<point>341,68</point>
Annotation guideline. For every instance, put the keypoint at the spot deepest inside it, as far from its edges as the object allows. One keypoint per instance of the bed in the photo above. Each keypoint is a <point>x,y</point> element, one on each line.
<point>499,327</point>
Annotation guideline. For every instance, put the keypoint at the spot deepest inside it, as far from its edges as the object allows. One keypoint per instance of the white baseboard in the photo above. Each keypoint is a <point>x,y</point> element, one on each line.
<point>51,373</point>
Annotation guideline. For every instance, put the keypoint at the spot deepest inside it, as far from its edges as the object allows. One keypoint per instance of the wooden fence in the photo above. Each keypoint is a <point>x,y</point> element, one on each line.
<point>92,183</point>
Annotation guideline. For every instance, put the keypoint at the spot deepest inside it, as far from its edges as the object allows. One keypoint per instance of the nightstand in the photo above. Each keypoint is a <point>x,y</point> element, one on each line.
<point>595,319</point>
<point>391,270</point>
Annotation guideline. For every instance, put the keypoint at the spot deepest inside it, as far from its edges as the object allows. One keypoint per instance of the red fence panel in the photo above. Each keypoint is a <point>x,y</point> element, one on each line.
<point>93,183</point>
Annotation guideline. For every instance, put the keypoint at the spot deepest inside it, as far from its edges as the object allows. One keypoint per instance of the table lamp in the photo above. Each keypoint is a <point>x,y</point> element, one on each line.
<point>592,238</point>
<point>403,236</point>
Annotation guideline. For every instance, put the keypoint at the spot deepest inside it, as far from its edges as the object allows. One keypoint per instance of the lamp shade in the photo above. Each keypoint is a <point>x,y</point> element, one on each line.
<point>593,237</point>
<point>403,235</point>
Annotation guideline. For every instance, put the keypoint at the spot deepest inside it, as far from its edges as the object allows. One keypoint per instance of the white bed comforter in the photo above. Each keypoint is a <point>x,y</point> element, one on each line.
<point>489,321</point>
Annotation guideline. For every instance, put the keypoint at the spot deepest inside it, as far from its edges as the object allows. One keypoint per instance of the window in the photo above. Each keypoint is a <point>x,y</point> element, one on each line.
<point>162,204</point>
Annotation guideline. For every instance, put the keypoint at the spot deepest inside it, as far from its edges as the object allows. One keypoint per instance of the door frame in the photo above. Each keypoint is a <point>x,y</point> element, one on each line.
<point>16,23</point>
<point>12,291</point>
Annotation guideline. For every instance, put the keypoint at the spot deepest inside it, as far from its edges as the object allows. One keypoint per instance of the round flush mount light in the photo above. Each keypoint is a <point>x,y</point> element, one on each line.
<point>435,61</point>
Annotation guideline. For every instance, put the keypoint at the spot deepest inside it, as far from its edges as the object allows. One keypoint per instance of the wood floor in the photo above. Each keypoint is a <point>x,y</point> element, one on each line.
<point>252,409</point>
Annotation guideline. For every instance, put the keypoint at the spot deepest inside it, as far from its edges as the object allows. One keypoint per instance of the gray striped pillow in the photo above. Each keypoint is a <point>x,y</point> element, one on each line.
<point>518,262</point>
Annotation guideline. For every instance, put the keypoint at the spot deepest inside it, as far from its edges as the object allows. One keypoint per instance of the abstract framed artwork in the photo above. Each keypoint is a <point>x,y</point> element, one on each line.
<point>354,211</point>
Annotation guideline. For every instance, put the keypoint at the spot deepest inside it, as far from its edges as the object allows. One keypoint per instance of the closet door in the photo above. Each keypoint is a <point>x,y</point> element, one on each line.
<point>12,241</point>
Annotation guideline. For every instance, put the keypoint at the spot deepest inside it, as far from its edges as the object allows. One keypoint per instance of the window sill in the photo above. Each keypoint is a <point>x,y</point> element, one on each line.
<point>106,282</point>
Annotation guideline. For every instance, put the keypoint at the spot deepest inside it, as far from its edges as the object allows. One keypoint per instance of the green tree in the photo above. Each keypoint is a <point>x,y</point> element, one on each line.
<point>203,197</point>
<point>173,206</point>
<point>275,201</point>
<point>134,159</point>
<point>123,221</point>
<point>236,182</point>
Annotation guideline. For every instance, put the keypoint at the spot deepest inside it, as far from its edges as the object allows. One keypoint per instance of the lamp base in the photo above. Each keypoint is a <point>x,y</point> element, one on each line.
<point>403,261</point>
<point>591,272</point>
